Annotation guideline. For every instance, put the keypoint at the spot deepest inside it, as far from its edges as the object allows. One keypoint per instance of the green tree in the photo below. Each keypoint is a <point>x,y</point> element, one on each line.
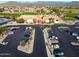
<point>20,20</point>
<point>38,11</point>
<point>2,29</point>
<point>42,11</point>
<point>58,11</point>
<point>51,20</point>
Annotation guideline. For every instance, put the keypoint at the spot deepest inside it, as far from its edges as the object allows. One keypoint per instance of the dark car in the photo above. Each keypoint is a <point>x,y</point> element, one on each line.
<point>50,33</point>
<point>27,34</point>
<point>13,29</point>
<point>69,32</point>
<point>58,52</point>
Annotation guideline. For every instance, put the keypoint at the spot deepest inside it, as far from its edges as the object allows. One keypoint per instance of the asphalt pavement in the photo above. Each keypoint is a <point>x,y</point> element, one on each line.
<point>64,41</point>
<point>10,50</point>
<point>39,49</point>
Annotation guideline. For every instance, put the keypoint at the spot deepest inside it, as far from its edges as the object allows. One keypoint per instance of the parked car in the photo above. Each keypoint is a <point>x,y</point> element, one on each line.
<point>50,33</point>
<point>69,31</point>
<point>54,37</point>
<point>58,52</point>
<point>77,37</point>
<point>14,28</point>
<point>4,43</point>
<point>74,34</point>
<point>55,45</point>
<point>11,32</point>
<point>27,34</point>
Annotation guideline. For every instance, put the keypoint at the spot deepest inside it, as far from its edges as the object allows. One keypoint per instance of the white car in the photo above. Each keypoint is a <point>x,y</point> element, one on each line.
<point>54,37</point>
<point>77,38</point>
<point>26,28</point>
<point>11,32</point>
<point>74,34</point>
<point>30,27</point>
<point>4,43</point>
<point>56,46</point>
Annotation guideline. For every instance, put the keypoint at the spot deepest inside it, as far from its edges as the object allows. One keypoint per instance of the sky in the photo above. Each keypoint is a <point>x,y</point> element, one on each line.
<point>3,1</point>
<point>39,0</point>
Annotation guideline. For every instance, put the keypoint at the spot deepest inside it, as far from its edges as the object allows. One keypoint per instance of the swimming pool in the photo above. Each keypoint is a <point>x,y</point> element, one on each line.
<point>4,21</point>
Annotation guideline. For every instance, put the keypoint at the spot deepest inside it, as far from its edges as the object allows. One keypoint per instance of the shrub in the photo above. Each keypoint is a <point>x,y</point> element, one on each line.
<point>22,43</point>
<point>20,20</point>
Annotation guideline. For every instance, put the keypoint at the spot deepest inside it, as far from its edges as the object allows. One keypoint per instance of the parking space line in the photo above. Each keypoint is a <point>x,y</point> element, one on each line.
<point>63,27</point>
<point>77,27</point>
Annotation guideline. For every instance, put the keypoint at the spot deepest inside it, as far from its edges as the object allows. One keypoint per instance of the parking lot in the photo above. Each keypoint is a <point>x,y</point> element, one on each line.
<point>60,36</point>
<point>13,40</point>
<point>65,39</point>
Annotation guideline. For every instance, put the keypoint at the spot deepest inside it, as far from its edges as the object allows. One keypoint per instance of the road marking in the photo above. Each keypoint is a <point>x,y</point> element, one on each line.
<point>75,43</point>
<point>61,27</point>
<point>76,27</point>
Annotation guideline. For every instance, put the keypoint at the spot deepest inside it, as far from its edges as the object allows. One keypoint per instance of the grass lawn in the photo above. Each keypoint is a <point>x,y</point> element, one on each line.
<point>18,14</point>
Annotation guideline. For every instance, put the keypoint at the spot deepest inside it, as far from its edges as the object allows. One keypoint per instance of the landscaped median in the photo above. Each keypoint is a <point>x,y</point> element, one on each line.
<point>47,43</point>
<point>28,46</point>
<point>3,36</point>
<point>3,33</point>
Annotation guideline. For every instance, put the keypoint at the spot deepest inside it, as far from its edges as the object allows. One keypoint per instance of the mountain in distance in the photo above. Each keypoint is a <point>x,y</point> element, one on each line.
<point>42,3</point>
<point>31,3</point>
